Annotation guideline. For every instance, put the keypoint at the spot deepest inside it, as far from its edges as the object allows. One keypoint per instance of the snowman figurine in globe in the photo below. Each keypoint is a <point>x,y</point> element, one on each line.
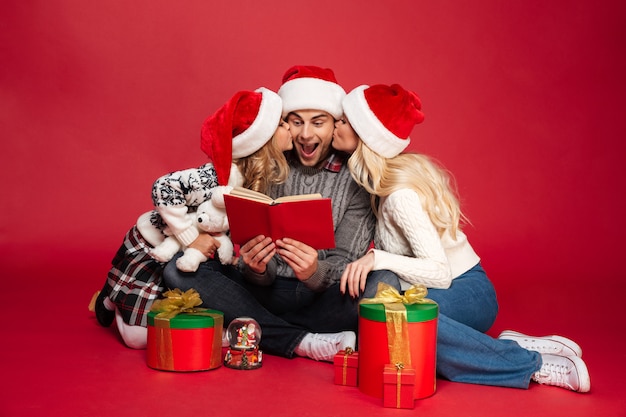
<point>244,336</point>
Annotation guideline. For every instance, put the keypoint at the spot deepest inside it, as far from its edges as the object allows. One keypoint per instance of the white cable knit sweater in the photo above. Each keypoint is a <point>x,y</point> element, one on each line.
<point>408,244</point>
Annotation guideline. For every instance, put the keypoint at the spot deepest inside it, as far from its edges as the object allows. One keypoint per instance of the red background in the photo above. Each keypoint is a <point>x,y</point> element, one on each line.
<point>524,103</point>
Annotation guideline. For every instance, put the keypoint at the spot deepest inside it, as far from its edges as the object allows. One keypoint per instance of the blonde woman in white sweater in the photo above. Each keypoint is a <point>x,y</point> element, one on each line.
<point>418,237</point>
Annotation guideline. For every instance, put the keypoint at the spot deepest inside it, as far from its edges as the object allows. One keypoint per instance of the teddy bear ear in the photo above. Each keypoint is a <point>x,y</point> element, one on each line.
<point>217,195</point>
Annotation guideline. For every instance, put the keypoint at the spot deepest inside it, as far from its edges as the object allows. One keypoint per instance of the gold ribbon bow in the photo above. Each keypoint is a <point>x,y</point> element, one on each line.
<point>386,294</point>
<point>176,302</point>
<point>395,317</point>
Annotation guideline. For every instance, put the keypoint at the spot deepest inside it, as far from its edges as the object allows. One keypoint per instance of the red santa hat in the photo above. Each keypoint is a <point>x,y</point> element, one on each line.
<point>383,116</point>
<point>239,128</point>
<point>313,88</point>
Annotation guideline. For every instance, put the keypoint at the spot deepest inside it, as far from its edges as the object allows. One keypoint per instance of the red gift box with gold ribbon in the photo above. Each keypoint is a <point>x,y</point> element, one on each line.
<point>398,385</point>
<point>181,337</point>
<point>346,363</point>
<point>397,329</point>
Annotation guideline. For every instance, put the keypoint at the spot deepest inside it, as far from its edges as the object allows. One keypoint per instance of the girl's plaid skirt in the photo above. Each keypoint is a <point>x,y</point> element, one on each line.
<point>134,281</point>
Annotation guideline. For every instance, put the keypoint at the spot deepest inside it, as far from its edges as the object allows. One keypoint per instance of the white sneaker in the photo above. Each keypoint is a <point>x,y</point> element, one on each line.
<point>556,345</point>
<point>324,346</point>
<point>563,371</point>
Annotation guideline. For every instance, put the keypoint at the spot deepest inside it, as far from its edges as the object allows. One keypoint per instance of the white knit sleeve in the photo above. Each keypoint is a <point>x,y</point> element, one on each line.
<point>425,261</point>
<point>180,223</point>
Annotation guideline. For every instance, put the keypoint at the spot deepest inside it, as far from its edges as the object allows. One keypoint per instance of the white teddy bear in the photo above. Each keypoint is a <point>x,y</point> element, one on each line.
<point>210,217</point>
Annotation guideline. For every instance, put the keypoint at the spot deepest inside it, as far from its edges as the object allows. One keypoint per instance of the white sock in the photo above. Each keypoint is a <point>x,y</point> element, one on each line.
<point>135,337</point>
<point>324,346</point>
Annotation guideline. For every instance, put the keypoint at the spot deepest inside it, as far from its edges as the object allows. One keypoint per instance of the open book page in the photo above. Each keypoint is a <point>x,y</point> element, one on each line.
<point>257,196</point>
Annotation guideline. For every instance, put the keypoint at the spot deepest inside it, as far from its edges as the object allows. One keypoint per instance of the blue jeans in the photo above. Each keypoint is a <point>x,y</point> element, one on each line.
<point>286,310</point>
<point>464,352</point>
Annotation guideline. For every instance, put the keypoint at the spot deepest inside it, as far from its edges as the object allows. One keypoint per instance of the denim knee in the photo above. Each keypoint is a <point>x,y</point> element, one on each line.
<point>376,277</point>
<point>172,277</point>
<point>175,278</point>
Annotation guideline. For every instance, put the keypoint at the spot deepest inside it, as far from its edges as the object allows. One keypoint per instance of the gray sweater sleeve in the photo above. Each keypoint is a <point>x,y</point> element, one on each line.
<point>264,279</point>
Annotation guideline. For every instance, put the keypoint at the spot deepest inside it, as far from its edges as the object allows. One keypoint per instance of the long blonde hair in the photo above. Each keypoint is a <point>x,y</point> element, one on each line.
<point>382,176</point>
<point>265,167</point>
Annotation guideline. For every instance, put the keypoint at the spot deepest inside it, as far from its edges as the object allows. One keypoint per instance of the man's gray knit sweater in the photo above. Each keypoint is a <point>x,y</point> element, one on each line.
<point>352,216</point>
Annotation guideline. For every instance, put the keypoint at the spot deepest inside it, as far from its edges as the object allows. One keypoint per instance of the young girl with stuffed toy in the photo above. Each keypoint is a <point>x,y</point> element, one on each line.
<point>244,140</point>
<point>418,237</point>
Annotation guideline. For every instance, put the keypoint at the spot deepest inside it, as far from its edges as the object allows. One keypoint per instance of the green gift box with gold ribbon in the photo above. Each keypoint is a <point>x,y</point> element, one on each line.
<point>398,329</point>
<point>182,337</point>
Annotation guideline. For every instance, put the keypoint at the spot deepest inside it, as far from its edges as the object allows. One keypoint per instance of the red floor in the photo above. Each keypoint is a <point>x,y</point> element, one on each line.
<point>57,361</point>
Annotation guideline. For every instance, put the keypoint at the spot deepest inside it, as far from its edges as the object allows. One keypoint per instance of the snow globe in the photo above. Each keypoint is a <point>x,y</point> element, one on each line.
<point>244,336</point>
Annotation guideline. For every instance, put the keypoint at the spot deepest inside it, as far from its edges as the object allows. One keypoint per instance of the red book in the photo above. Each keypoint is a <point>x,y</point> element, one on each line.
<point>307,218</point>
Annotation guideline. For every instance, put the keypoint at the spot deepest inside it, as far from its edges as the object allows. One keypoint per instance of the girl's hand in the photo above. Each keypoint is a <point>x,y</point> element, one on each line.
<point>206,244</point>
<point>354,276</point>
